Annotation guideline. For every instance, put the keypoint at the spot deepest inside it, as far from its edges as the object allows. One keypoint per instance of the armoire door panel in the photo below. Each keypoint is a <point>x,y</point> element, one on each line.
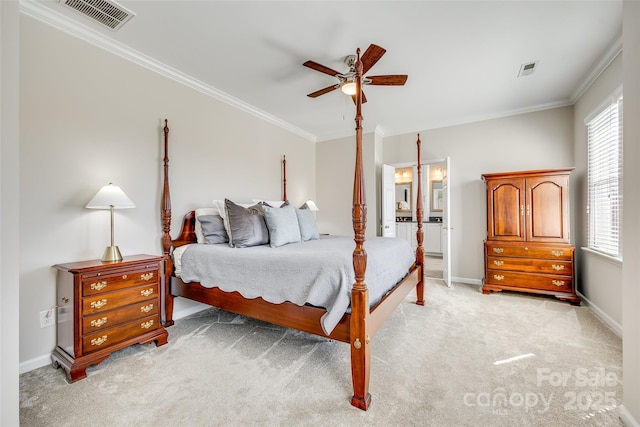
<point>547,207</point>
<point>505,210</point>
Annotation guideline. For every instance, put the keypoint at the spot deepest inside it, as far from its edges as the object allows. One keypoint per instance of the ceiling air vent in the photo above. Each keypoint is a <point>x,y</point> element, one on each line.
<point>107,13</point>
<point>526,69</point>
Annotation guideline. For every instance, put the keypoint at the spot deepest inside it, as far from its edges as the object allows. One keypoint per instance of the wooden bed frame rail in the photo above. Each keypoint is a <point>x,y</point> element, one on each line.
<point>356,328</point>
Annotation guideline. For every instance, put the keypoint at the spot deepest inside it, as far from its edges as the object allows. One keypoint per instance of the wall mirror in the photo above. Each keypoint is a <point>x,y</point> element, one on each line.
<point>436,196</point>
<point>403,197</point>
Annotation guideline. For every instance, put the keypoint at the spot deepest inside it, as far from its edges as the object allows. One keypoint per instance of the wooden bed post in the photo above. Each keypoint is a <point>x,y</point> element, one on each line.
<point>166,232</point>
<point>284,178</point>
<point>419,233</point>
<point>359,334</point>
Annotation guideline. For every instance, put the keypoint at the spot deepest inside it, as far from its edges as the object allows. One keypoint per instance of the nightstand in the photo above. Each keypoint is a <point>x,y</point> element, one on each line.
<point>104,307</point>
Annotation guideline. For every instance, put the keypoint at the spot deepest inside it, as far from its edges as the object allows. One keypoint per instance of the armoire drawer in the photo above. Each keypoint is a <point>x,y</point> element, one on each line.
<point>530,265</point>
<point>530,280</point>
<point>530,251</point>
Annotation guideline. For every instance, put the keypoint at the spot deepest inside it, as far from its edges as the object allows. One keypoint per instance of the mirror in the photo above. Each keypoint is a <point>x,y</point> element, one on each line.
<point>403,197</point>
<point>436,196</point>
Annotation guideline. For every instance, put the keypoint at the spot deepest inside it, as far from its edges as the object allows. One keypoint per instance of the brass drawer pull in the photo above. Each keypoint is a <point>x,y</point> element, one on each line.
<point>498,250</point>
<point>498,262</point>
<point>557,267</point>
<point>98,286</point>
<point>99,304</point>
<point>498,276</point>
<point>99,341</point>
<point>98,322</point>
<point>146,292</point>
<point>558,283</point>
<point>557,253</point>
<point>124,277</point>
<point>146,308</point>
<point>146,325</point>
<point>146,276</point>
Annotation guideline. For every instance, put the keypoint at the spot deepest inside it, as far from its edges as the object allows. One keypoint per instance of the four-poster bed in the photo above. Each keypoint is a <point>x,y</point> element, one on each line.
<point>361,321</point>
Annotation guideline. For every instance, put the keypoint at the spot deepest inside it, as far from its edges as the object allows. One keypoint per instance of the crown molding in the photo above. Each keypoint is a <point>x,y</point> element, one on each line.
<point>63,23</point>
<point>598,68</point>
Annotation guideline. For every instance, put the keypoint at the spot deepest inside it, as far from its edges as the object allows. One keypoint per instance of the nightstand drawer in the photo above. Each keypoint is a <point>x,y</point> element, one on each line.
<point>530,265</point>
<point>530,280</point>
<point>113,318</point>
<point>109,337</point>
<point>100,283</point>
<point>109,301</point>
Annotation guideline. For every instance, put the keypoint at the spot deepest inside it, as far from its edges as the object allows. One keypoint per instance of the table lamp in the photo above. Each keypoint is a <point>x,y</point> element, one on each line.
<point>111,197</point>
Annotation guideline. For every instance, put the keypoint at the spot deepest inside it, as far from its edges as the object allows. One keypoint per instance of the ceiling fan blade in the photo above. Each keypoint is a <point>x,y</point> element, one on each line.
<point>371,56</point>
<point>319,67</point>
<point>364,98</point>
<point>323,91</point>
<point>388,80</point>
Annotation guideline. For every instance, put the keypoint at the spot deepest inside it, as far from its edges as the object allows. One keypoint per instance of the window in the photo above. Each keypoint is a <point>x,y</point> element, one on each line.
<point>604,175</point>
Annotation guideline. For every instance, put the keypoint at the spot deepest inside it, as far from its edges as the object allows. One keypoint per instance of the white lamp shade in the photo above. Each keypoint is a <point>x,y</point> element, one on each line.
<point>311,205</point>
<point>110,196</point>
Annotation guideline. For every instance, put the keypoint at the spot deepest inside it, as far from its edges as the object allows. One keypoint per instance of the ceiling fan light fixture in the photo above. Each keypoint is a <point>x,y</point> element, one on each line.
<point>349,88</point>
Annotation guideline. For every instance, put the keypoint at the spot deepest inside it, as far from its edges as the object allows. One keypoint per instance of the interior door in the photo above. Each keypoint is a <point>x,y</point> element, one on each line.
<point>446,223</point>
<point>388,217</point>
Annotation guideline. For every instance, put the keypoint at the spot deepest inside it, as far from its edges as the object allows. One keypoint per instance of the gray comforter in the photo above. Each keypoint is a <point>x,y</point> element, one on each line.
<point>317,272</point>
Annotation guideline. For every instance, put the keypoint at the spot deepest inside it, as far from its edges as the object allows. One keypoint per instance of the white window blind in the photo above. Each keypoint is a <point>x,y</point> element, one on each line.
<point>604,208</point>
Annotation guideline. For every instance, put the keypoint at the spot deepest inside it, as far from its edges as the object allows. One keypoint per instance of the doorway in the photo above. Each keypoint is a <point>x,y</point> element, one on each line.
<point>435,197</point>
<point>433,267</point>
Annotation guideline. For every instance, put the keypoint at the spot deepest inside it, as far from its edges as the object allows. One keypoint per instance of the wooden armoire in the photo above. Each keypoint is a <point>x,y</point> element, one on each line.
<point>527,247</point>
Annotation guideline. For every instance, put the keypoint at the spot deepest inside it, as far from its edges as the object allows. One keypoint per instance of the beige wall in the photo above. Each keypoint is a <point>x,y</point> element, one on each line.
<point>631,241</point>
<point>600,278</point>
<point>9,213</point>
<point>88,117</point>
<point>335,162</point>
<point>528,141</point>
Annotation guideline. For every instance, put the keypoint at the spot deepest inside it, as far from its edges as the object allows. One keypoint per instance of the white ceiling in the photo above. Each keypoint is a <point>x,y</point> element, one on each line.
<point>462,57</point>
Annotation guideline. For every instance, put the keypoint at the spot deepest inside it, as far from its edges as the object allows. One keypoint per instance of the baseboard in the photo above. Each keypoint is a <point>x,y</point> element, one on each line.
<point>36,363</point>
<point>600,314</point>
<point>467,281</point>
<point>627,418</point>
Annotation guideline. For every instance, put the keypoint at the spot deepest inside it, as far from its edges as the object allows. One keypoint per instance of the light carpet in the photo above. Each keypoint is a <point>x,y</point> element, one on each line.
<point>465,359</point>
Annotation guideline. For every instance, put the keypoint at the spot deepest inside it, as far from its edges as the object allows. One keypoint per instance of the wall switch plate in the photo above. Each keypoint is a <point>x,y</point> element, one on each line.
<point>47,318</point>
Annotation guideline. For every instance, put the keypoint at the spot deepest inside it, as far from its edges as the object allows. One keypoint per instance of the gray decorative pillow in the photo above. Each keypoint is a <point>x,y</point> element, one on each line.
<point>307,224</point>
<point>213,229</point>
<point>246,225</point>
<point>282,224</point>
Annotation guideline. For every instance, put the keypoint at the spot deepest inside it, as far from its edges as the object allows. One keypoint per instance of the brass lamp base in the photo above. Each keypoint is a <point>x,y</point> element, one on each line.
<point>111,254</point>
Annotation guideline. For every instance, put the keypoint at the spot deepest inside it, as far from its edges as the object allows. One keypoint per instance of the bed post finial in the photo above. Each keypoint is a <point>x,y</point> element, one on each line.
<point>284,178</point>
<point>359,330</point>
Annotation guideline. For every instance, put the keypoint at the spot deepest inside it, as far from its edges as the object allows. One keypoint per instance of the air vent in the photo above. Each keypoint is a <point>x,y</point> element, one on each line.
<point>107,13</point>
<point>527,69</point>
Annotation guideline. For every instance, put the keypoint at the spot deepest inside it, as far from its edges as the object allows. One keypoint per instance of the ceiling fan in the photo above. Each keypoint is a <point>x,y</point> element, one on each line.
<point>347,80</point>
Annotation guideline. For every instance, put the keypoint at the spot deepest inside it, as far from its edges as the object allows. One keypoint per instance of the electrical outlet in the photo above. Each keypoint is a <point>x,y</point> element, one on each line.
<point>47,318</point>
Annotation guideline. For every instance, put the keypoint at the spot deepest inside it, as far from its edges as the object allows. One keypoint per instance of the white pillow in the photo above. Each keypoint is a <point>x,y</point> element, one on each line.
<point>198,226</point>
